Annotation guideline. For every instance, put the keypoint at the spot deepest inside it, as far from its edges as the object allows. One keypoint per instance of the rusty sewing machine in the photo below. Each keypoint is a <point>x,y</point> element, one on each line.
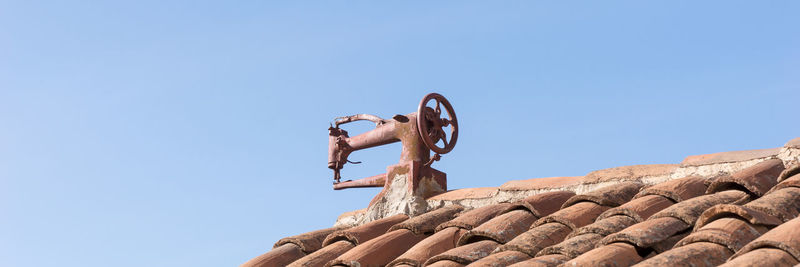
<point>419,132</point>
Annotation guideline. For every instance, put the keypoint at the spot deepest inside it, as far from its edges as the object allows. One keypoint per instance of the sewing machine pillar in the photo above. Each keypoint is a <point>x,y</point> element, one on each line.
<point>407,186</point>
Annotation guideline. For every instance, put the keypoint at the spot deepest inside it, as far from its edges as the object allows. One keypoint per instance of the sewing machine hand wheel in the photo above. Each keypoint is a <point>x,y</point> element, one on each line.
<point>431,124</point>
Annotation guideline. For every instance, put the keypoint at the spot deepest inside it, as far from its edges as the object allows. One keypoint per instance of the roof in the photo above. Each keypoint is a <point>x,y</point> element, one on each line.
<point>732,208</point>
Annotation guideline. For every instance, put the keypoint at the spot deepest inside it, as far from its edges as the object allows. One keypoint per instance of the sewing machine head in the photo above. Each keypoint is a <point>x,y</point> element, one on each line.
<point>419,132</point>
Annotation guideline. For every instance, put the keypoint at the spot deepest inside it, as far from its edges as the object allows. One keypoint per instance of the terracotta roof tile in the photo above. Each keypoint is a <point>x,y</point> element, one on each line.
<point>466,193</point>
<point>688,211</point>
<point>543,261</point>
<point>445,263</point>
<point>763,257</point>
<point>640,208</point>
<point>730,156</point>
<point>733,233</point>
<point>605,226</point>
<point>501,259</point>
<point>629,173</point>
<point>426,223</point>
<point>611,196</point>
<point>790,171</point>
<point>279,256</point>
<point>694,254</point>
<point>502,228</point>
<point>793,181</point>
<point>741,212</point>
<point>466,254</point>
<point>308,242</point>
<point>439,242</point>
<point>541,183</point>
<point>365,232</point>
<point>574,246</point>
<point>323,255</point>
<point>543,204</point>
<point>757,179</point>
<point>679,189</point>
<point>379,251</point>
<point>616,254</point>
<point>785,237</point>
<point>648,233</point>
<point>783,204</point>
<point>475,217</point>
<point>621,222</point>
<point>574,216</point>
<point>537,238</point>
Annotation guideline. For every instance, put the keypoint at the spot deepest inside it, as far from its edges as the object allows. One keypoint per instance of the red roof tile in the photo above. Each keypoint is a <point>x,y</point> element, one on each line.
<point>763,257</point>
<point>501,229</point>
<point>679,189</point>
<point>473,218</point>
<point>537,238</point>
<point>731,156</point>
<point>466,254</point>
<point>756,180</point>
<point>323,255</point>
<point>379,251</point>
<point>616,254</point>
<point>726,207</point>
<point>363,233</point>
<point>541,183</point>
<point>785,237</point>
<point>503,258</point>
<point>694,254</point>
<point>629,173</point>
<point>279,256</point>
<point>439,242</point>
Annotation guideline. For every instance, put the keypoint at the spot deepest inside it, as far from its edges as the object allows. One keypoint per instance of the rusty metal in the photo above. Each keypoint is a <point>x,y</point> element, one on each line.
<point>419,132</point>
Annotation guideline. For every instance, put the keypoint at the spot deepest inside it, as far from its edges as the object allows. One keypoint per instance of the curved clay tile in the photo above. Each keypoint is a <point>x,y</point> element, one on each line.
<point>793,181</point>
<point>732,233</point>
<point>783,204</point>
<point>689,210</point>
<point>504,258</point>
<point>616,254</point>
<point>537,238</point>
<point>763,257</point>
<point>744,213</point>
<point>543,204</point>
<point>543,261</point>
<point>639,208</point>
<point>574,216</point>
<point>323,255</point>
<point>574,246</point>
<point>439,242</point>
<point>475,217</point>
<point>790,171</point>
<point>648,233</point>
<point>466,254</point>
<point>694,254</point>
<point>605,226</point>
<point>677,190</point>
<point>757,179</point>
<point>785,237</point>
<point>365,232</point>
<point>379,251</point>
<point>309,242</point>
<point>426,223</point>
<point>445,263</point>
<point>279,256</point>
<point>502,228</point>
<point>611,196</point>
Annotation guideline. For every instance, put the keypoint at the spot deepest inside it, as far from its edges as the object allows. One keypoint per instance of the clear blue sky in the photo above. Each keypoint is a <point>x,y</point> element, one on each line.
<point>194,133</point>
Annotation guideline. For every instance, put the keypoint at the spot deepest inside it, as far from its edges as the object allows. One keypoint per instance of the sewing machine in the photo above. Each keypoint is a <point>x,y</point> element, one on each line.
<point>419,132</point>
